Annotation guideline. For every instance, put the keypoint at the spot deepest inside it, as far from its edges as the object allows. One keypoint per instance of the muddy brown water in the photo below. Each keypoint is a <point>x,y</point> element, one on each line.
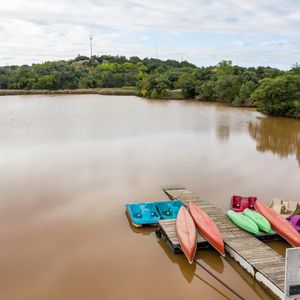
<point>70,163</point>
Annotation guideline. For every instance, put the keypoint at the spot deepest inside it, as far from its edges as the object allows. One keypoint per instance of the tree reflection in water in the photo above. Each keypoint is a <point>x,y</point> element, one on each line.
<point>281,136</point>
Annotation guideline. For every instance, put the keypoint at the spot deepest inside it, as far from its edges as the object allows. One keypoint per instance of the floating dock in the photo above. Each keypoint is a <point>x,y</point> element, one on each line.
<point>262,262</point>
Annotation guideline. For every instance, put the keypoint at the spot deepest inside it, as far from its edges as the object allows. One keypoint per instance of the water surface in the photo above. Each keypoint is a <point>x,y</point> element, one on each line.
<point>70,163</point>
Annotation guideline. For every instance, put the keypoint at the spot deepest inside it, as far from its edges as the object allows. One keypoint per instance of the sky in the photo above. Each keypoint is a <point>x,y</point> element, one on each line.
<point>204,32</point>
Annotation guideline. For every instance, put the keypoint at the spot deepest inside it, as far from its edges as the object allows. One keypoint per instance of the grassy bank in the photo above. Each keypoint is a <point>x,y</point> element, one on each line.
<point>126,91</point>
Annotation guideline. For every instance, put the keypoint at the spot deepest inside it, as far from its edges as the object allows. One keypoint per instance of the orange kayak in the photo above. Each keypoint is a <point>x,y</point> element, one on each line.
<point>207,228</point>
<point>280,224</point>
<point>186,232</point>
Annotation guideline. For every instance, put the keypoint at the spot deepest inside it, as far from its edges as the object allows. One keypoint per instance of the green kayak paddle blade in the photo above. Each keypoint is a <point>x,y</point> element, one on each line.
<point>243,221</point>
<point>262,223</point>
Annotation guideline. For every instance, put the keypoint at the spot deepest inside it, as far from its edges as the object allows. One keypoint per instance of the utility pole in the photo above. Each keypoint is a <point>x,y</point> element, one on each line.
<point>91,46</point>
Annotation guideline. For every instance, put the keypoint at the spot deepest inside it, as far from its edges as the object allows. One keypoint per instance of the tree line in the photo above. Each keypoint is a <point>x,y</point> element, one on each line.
<point>273,91</point>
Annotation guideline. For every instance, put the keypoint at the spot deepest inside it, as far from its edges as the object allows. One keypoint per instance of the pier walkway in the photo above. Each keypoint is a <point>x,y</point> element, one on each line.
<point>262,262</point>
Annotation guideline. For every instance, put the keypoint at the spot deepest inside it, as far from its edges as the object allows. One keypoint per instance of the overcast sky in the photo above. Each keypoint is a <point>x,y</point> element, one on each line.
<point>250,33</point>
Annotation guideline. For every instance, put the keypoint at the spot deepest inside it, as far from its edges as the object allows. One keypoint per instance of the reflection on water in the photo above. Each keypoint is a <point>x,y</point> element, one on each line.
<point>70,163</point>
<point>212,286</point>
<point>212,259</point>
<point>281,136</point>
<point>187,270</point>
<point>223,127</point>
<point>251,281</point>
<point>146,230</point>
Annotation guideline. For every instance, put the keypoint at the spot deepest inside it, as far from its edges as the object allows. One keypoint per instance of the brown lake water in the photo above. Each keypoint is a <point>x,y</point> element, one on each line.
<point>70,163</point>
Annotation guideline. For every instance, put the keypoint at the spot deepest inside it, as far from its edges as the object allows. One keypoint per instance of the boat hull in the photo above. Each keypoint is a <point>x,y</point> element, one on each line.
<point>243,222</point>
<point>262,223</point>
<point>280,224</point>
<point>186,233</point>
<point>207,228</point>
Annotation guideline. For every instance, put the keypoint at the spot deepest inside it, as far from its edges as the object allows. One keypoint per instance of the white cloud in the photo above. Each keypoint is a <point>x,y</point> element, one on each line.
<point>37,30</point>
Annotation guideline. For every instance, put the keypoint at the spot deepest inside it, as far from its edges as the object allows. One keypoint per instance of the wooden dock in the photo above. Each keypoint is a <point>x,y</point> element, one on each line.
<point>262,262</point>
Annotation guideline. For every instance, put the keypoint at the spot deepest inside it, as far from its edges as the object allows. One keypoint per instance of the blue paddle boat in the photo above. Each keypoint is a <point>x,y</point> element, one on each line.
<point>150,213</point>
<point>143,213</point>
<point>169,209</point>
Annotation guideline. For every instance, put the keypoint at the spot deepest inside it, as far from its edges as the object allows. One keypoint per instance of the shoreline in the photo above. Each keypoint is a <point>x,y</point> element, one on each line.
<point>98,91</point>
<point>127,91</point>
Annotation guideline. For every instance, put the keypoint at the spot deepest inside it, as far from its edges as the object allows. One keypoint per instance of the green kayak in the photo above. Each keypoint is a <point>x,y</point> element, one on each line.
<point>262,223</point>
<point>243,221</point>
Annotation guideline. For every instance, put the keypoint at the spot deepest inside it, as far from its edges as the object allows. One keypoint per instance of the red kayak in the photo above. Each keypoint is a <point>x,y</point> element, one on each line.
<point>186,232</point>
<point>207,228</point>
<point>280,224</point>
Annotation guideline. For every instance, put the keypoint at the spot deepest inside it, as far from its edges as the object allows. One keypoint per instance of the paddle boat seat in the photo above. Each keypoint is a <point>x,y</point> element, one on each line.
<point>291,206</point>
<point>136,211</point>
<point>169,209</point>
<point>285,208</point>
<point>295,222</point>
<point>277,205</point>
<point>143,213</point>
<point>165,208</point>
<point>239,204</point>
<point>150,213</point>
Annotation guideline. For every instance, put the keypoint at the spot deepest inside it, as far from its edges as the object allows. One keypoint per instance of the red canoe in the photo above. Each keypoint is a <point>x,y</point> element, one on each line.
<point>280,224</point>
<point>186,232</point>
<point>207,228</point>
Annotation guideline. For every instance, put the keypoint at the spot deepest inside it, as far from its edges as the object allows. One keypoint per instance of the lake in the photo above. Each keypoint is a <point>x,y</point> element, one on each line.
<point>70,163</point>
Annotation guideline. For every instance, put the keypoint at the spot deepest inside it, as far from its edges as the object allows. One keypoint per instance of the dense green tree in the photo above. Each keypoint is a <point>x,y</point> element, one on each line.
<point>46,82</point>
<point>86,81</point>
<point>154,86</point>
<point>279,96</point>
<point>249,75</point>
<point>23,78</point>
<point>187,84</point>
<point>206,91</point>
<point>295,69</point>
<point>5,75</point>
<point>227,88</point>
<point>267,72</point>
<point>224,68</point>
<point>246,90</point>
<point>203,74</point>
